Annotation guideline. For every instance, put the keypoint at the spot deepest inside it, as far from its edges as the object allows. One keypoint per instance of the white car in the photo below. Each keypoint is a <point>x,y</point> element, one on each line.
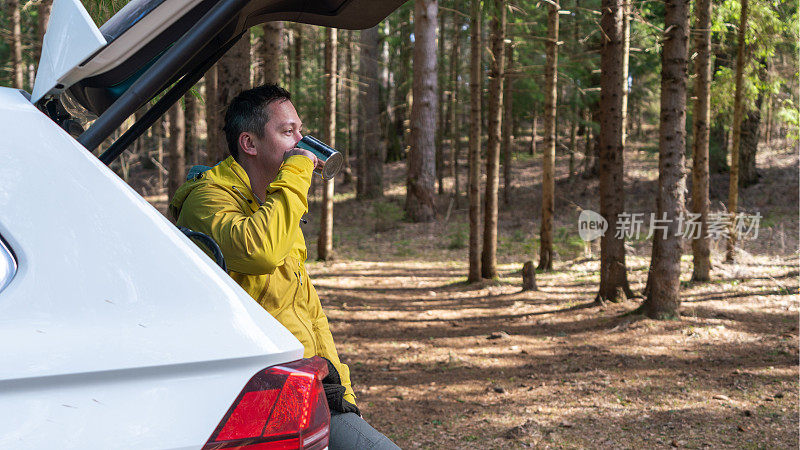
<point>116,330</point>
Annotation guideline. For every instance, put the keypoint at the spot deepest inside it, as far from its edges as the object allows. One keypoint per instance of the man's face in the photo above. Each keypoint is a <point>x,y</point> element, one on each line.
<point>281,133</point>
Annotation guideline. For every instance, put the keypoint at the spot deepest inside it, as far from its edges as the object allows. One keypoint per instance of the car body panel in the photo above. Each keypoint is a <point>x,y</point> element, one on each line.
<point>70,39</point>
<point>114,320</point>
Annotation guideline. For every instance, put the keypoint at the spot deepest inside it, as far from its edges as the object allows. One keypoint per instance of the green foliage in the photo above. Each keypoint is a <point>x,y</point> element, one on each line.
<point>789,114</point>
<point>723,90</point>
<point>403,247</point>
<point>768,36</point>
<point>458,237</point>
<point>386,215</point>
<point>102,10</point>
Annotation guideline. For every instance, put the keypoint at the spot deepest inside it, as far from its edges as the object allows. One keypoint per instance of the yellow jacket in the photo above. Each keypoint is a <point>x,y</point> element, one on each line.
<point>263,245</point>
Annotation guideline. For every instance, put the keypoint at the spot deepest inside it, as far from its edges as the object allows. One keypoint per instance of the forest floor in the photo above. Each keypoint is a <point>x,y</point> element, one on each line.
<point>438,363</point>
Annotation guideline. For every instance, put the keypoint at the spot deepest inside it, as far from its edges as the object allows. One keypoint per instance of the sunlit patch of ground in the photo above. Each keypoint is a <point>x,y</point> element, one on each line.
<point>562,372</point>
<point>428,373</point>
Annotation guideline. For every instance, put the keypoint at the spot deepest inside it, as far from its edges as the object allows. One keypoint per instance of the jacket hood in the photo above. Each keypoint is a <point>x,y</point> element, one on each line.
<point>227,174</point>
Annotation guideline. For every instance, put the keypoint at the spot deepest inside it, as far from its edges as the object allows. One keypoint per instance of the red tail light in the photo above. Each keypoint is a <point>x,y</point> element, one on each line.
<point>282,407</point>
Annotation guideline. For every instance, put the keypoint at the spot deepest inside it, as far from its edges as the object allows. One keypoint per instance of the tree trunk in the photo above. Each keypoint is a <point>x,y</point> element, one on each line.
<point>475,81</point>
<point>626,52</point>
<point>350,98</point>
<point>192,152</point>
<point>613,272</point>
<point>701,253</point>
<point>529,277</point>
<point>371,156</point>
<point>498,29</point>
<point>718,148</point>
<point>534,131</point>
<point>361,124</point>
<point>663,296</point>
<point>549,153</point>
<point>272,52</point>
<point>508,123</point>
<point>397,134</point>
<point>455,137</point>
<point>44,16</point>
<point>749,145</point>
<point>738,107</point>
<point>297,63</point>
<point>325,241</point>
<point>160,135</point>
<point>389,93</point>
<point>751,133</point>
<point>177,149</point>
<point>213,127</point>
<point>421,180</point>
<point>440,114</point>
<point>16,44</point>
<point>768,125</point>
<point>587,147</point>
<point>573,134</point>
<point>233,76</point>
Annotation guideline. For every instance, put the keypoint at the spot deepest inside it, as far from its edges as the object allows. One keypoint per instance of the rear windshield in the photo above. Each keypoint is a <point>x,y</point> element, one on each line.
<point>127,17</point>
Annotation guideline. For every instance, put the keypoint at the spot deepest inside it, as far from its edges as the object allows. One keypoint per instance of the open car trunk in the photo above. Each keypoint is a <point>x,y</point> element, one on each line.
<point>151,45</point>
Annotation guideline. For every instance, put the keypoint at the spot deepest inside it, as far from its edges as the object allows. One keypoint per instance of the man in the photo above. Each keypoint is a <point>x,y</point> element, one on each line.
<point>251,204</point>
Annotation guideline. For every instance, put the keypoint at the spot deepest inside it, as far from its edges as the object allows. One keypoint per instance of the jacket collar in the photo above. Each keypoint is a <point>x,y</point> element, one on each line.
<point>240,182</point>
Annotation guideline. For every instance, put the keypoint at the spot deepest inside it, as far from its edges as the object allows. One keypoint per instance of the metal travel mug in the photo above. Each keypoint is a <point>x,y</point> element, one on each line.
<point>331,158</point>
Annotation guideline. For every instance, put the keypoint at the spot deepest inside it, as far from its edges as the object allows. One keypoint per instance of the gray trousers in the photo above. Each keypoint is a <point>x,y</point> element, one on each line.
<point>349,431</point>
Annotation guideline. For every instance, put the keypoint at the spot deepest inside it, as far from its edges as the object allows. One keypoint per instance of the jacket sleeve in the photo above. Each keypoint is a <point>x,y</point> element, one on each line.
<point>325,339</point>
<point>259,243</point>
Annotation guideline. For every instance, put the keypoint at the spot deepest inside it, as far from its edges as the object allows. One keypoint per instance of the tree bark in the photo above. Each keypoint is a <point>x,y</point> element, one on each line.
<point>455,138</point>
<point>626,52</point>
<point>475,81</point>
<point>701,253</point>
<point>421,181</point>
<point>508,124</point>
<point>768,125</point>
<point>350,98</point>
<point>440,112</point>
<point>663,296</point>
<point>534,131</point>
<point>748,146</point>
<point>397,139</point>
<point>371,156</point>
<point>161,135</point>
<point>325,241</point>
<point>17,68</point>
<point>718,148</point>
<point>233,76</point>
<point>192,152</point>
<point>214,153</point>
<point>613,272</point>
<point>177,149</point>
<point>529,277</point>
<point>573,134</point>
<point>751,133</point>
<point>489,255</point>
<point>297,63</point>
<point>272,52</point>
<point>738,107</point>
<point>44,16</point>
<point>587,147</point>
<point>549,153</point>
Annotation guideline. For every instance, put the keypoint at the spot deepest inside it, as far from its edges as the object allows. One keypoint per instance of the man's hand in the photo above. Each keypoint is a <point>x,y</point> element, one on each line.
<point>301,151</point>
